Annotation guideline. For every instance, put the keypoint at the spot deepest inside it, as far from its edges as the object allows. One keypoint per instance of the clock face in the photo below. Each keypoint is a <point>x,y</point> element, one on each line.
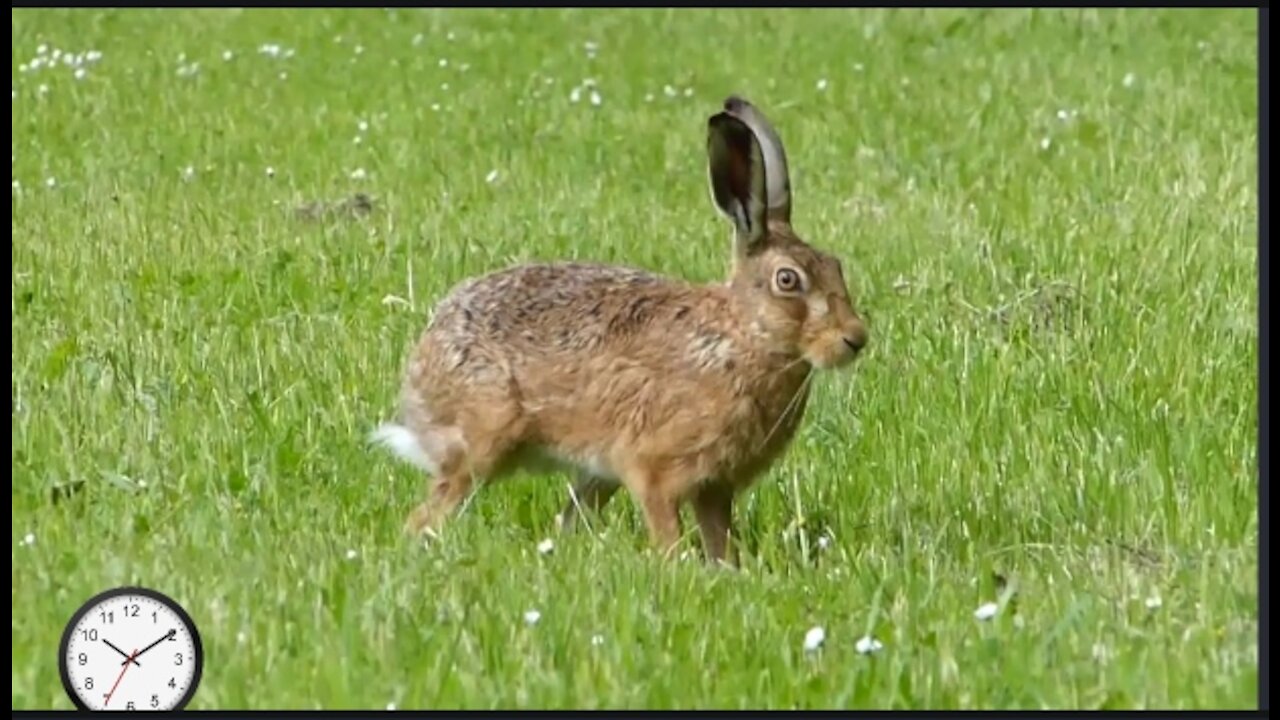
<point>131,649</point>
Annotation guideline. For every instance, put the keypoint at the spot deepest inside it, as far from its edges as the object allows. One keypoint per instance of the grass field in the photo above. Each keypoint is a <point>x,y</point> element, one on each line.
<point>1048,217</point>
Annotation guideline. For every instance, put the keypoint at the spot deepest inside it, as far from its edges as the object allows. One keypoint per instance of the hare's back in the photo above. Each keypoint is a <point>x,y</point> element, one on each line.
<point>553,306</point>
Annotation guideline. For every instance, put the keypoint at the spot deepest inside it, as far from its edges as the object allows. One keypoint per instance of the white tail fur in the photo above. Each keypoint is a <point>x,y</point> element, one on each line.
<point>401,441</point>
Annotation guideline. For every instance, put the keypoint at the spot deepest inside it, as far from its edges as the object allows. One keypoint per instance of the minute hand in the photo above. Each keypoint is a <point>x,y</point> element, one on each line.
<point>143,651</point>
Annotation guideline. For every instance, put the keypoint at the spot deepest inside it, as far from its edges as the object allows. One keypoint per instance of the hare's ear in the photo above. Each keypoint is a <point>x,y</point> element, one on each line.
<point>777,177</point>
<point>737,172</point>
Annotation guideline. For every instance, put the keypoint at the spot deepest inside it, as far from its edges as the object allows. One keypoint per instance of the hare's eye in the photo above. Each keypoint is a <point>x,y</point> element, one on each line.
<point>788,280</point>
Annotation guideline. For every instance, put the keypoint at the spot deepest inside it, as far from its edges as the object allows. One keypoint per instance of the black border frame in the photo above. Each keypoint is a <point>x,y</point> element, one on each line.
<point>1263,418</point>
<point>125,591</point>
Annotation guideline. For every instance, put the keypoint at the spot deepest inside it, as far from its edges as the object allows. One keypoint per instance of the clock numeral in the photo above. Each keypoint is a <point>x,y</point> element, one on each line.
<point>91,634</point>
<point>172,684</point>
<point>177,658</point>
<point>155,701</point>
<point>153,618</point>
<point>108,617</point>
<point>132,610</point>
<point>88,683</point>
<point>82,659</point>
<point>129,706</point>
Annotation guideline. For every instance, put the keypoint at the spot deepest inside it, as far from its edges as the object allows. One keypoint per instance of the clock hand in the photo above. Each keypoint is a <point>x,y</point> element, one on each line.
<point>123,654</point>
<point>164,637</point>
<point>119,678</point>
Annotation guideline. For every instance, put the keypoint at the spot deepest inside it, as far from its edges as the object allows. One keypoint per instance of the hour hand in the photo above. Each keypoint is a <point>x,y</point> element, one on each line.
<point>122,653</point>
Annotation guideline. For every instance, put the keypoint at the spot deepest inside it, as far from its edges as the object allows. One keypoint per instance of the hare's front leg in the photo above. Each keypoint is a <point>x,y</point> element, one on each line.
<point>659,495</point>
<point>713,506</point>
<point>589,494</point>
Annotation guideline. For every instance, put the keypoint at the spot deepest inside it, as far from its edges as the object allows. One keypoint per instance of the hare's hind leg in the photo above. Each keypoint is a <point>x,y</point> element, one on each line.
<point>589,494</point>
<point>480,447</point>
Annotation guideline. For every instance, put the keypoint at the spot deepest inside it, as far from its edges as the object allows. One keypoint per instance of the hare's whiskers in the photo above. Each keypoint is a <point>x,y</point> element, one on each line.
<point>793,403</point>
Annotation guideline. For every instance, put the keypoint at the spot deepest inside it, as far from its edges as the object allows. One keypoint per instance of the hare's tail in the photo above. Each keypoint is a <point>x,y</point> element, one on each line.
<point>401,441</point>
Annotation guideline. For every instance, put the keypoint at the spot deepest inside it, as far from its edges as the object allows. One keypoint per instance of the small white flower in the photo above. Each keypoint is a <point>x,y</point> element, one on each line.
<point>29,539</point>
<point>359,49</point>
<point>443,62</point>
<point>1154,602</point>
<point>352,554</point>
<point>491,177</point>
<point>17,185</point>
<point>42,90</point>
<point>435,107</point>
<point>575,95</point>
<point>688,92</point>
<point>55,54</point>
<point>79,73</point>
<point>188,173</point>
<point>822,84</point>
<point>284,75</point>
<point>417,39</point>
<point>597,640</point>
<point>227,55</point>
<point>358,174</point>
<point>1129,80</point>
<point>590,46</point>
<point>92,56</point>
<point>546,546</point>
<point>391,706</point>
<point>42,49</point>
<point>357,139</point>
<point>589,83</point>
<point>814,638</point>
<point>668,91</point>
<point>986,611</point>
<point>51,182</point>
<point>362,126</point>
<point>142,483</point>
<point>1045,143</point>
<point>1063,115</point>
<point>824,542</point>
<point>241,638</point>
<point>867,645</point>
<point>595,98</point>
<point>531,617</point>
<point>22,67</point>
<point>648,97</point>
<point>449,36</point>
<point>271,172</point>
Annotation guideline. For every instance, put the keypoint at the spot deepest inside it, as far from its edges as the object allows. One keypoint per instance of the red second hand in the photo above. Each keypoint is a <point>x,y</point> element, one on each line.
<point>120,677</point>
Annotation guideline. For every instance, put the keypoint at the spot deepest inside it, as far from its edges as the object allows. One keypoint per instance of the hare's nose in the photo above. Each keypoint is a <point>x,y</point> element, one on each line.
<point>857,339</point>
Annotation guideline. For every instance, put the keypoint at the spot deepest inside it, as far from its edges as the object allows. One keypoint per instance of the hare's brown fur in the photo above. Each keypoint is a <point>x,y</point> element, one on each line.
<point>672,390</point>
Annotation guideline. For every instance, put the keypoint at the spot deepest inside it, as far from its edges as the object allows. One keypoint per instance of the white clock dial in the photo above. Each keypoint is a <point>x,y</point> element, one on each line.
<point>131,649</point>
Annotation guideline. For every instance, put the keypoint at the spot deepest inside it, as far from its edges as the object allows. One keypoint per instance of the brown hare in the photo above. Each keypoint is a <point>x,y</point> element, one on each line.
<point>673,390</point>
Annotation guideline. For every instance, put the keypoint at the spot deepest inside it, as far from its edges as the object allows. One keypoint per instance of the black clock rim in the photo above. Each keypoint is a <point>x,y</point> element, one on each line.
<point>160,597</point>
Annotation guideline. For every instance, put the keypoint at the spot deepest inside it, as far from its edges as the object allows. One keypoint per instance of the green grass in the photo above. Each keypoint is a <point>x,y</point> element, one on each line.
<point>1061,386</point>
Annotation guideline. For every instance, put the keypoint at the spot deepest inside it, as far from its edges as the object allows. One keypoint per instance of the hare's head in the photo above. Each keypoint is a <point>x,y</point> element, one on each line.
<point>795,294</point>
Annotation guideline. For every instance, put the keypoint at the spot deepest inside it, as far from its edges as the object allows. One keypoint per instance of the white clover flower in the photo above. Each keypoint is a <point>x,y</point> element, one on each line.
<point>814,638</point>
<point>986,611</point>
<point>867,645</point>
